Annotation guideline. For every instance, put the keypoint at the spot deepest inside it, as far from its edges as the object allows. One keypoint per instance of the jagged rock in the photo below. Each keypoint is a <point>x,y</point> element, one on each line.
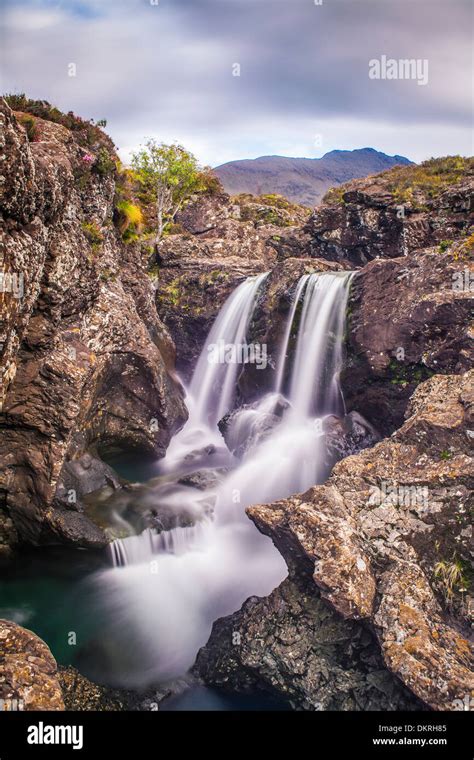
<point>378,537</point>
<point>246,427</point>
<point>224,240</point>
<point>407,321</point>
<point>29,677</point>
<point>292,643</point>
<point>370,219</point>
<point>86,362</point>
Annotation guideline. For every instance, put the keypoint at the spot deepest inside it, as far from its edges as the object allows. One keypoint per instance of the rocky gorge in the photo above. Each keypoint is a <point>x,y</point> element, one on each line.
<point>376,611</point>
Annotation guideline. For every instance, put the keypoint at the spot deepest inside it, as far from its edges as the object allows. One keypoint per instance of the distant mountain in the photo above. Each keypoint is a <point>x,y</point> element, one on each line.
<point>303,180</point>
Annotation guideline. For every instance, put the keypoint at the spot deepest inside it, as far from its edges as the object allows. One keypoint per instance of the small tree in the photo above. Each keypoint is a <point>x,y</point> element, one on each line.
<point>171,173</point>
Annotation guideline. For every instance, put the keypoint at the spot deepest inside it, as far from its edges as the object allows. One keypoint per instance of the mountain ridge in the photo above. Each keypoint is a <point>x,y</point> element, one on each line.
<point>303,180</point>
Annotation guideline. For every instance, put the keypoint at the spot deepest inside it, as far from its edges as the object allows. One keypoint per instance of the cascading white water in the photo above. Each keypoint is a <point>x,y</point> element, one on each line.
<point>289,325</point>
<point>318,357</point>
<point>213,383</point>
<point>166,589</point>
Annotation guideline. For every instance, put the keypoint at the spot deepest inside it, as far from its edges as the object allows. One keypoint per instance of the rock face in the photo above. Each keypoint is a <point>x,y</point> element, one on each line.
<point>223,241</point>
<point>29,672</point>
<point>388,541</point>
<point>292,643</point>
<point>408,319</point>
<point>394,213</point>
<point>86,363</point>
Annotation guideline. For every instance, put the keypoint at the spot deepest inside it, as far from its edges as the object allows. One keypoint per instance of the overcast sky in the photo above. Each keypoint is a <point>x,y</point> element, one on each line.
<point>166,71</point>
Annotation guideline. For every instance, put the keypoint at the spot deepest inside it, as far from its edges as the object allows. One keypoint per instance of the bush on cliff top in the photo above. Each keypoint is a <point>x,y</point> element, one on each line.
<point>88,133</point>
<point>428,179</point>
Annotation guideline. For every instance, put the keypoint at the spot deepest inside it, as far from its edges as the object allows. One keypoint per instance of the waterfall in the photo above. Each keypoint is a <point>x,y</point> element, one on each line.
<point>289,326</point>
<point>318,358</point>
<point>213,382</point>
<point>165,590</point>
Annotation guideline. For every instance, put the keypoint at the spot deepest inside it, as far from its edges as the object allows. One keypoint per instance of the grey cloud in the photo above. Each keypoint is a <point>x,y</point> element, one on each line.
<point>167,68</point>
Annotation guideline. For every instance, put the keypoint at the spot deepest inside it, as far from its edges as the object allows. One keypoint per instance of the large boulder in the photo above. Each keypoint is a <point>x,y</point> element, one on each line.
<point>29,674</point>
<point>388,542</point>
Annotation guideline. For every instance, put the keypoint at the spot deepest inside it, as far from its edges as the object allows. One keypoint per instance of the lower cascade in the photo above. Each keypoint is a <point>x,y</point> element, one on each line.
<point>165,589</point>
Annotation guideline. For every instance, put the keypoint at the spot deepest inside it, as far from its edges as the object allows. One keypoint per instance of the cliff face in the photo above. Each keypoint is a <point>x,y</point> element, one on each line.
<point>377,543</point>
<point>395,213</point>
<point>86,363</point>
<point>221,241</point>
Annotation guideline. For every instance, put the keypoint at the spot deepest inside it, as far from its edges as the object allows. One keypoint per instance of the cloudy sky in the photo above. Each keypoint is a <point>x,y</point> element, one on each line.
<point>166,69</point>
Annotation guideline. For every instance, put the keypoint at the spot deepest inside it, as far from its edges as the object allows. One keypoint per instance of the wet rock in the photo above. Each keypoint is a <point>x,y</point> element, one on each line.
<point>407,320</point>
<point>157,504</point>
<point>347,435</point>
<point>293,644</point>
<point>29,677</point>
<point>379,533</point>
<point>246,427</point>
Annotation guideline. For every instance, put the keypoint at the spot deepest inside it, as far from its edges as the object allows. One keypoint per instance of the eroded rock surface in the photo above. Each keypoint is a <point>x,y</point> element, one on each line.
<point>381,537</point>
<point>408,319</point>
<point>223,241</point>
<point>394,213</point>
<point>86,363</point>
<point>29,675</point>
